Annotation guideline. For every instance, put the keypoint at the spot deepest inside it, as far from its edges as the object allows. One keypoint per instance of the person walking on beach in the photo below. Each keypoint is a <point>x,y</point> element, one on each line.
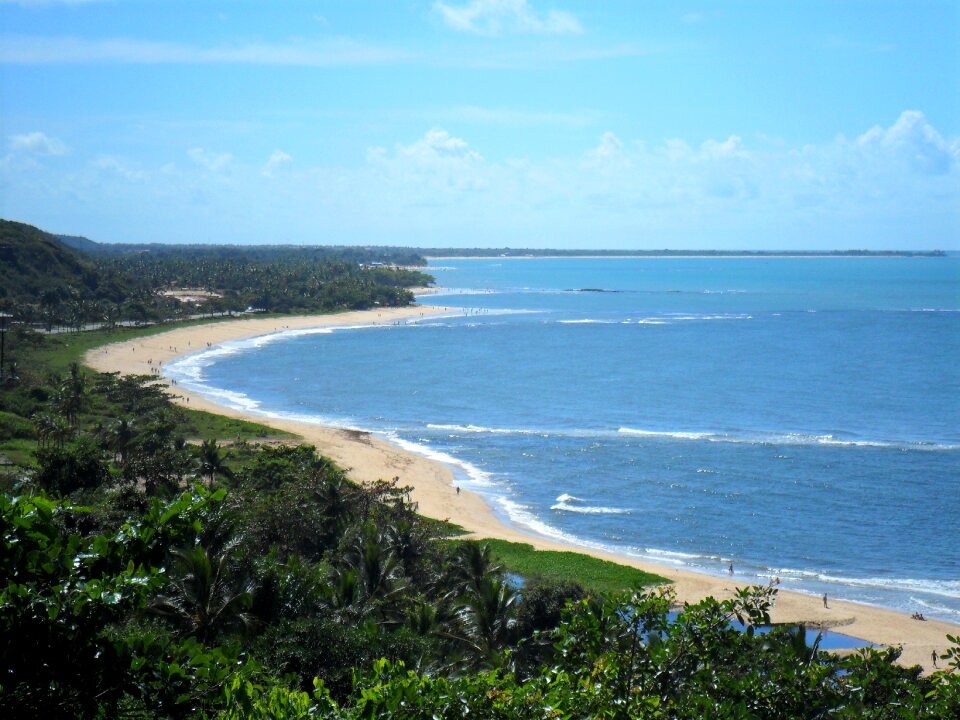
<point>825,601</point>
<point>730,569</point>
<point>933,656</point>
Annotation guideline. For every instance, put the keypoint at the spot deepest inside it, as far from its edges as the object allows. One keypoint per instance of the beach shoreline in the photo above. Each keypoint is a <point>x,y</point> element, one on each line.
<point>367,457</point>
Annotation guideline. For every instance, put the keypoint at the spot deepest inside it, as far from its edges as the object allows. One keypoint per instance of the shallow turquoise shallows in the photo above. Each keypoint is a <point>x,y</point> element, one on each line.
<point>797,417</point>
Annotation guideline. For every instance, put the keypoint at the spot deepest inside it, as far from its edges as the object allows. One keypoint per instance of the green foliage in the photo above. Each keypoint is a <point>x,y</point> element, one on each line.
<point>247,700</point>
<point>15,426</point>
<point>59,593</point>
<point>79,464</point>
<point>328,649</point>
<point>178,677</point>
<point>207,593</point>
<point>623,659</point>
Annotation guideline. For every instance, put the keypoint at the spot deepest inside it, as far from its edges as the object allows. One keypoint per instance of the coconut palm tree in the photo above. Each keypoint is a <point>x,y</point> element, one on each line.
<point>52,430</point>
<point>471,565</point>
<point>119,437</point>
<point>487,616</point>
<point>71,394</point>
<point>370,577</point>
<point>207,595</point>
<point>212,461</point>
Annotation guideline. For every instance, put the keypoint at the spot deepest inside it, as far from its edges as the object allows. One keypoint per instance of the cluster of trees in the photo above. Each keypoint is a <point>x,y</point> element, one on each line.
<point>148,574</point>
<point>289,282</point>
<point>45,281</point>
<point>355,254</point>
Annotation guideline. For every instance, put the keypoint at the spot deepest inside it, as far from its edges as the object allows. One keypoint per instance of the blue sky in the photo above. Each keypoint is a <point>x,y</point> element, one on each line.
<point>523,123</point>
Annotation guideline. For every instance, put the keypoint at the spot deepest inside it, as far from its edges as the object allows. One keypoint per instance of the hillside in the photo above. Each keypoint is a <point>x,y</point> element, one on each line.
<point>38,269</point>
<point>78,242</point>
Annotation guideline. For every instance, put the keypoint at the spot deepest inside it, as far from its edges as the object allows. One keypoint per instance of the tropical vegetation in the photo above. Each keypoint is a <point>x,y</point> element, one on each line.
<point>61,282</point>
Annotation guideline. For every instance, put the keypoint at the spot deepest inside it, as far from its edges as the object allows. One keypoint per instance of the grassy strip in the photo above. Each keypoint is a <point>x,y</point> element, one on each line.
<point>203,425</point>
<point>442,528</point>
<point>594,574</point>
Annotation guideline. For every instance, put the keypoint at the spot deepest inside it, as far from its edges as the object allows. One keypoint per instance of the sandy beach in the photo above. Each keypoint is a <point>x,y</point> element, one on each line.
<point>367,457</point>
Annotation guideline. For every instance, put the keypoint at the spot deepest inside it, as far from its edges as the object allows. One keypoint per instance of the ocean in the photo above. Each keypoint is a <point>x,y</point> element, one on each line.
<point>797,417</point>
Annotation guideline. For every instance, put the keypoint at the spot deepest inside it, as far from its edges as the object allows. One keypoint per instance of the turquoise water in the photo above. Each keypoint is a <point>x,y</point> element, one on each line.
<point>799,418</point>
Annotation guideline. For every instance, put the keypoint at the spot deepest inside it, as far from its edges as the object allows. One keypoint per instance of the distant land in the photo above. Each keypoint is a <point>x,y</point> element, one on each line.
<point>404,255</point>
<point>434,253</point>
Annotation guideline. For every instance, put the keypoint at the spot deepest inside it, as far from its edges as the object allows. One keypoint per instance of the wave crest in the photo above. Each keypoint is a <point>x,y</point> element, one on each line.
<point>567,502</point>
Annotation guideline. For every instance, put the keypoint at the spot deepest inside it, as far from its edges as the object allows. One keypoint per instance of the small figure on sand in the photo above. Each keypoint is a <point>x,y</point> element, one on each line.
<point>825,601</point>
<point>730,569</point>
<point>458,489</point>
<point>918,616</point>
<point>933,656</point>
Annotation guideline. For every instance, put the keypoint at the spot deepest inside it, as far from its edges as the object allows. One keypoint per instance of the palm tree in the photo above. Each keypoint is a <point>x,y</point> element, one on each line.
<point>72,394</point>
<point>379,568</point>
<point>345,589</point>
<point>370,578</point>
<point>206,595</point>
<point>212,462</point>
<point>487,617</point>
<point>52,430</point>
<point>119,438</point>
<point>471,565</point>
<point>334,500</point>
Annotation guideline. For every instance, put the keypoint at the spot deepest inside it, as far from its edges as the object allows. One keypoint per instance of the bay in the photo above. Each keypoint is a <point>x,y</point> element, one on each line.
<point>798,417</point>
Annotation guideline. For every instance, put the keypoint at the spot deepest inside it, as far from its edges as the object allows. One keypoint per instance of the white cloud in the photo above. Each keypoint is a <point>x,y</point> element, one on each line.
<point>437,163</point>
<point>914,141</point>
<point>38,143</point>
<point>609,146</point>
<point>438,145</point>
<point>731,147</point>
<point>215,162</point>
<point>115,166</point>
<point>277,159</point>
<point>499,17</point>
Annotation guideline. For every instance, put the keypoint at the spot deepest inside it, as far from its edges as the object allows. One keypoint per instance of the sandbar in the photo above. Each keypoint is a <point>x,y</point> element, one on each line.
<point>367,457</point>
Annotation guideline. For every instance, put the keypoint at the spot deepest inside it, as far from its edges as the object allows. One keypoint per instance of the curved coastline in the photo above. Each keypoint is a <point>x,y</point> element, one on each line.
<point>367,457</point>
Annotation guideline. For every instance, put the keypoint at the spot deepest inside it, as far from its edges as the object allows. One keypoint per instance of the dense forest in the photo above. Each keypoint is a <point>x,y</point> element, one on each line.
<point>165,563</point>
<point>64,281</point>
<point>357,254</point>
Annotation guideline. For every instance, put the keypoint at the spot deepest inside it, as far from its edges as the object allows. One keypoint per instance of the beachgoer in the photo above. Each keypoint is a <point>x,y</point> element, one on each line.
<point>458,489</point>
<point>933,656</point>
<point>730,569</point>
<point>825,601</point>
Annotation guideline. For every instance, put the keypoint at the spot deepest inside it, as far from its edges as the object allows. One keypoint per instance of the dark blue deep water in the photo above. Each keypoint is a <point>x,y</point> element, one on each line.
<point>797,417</point>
